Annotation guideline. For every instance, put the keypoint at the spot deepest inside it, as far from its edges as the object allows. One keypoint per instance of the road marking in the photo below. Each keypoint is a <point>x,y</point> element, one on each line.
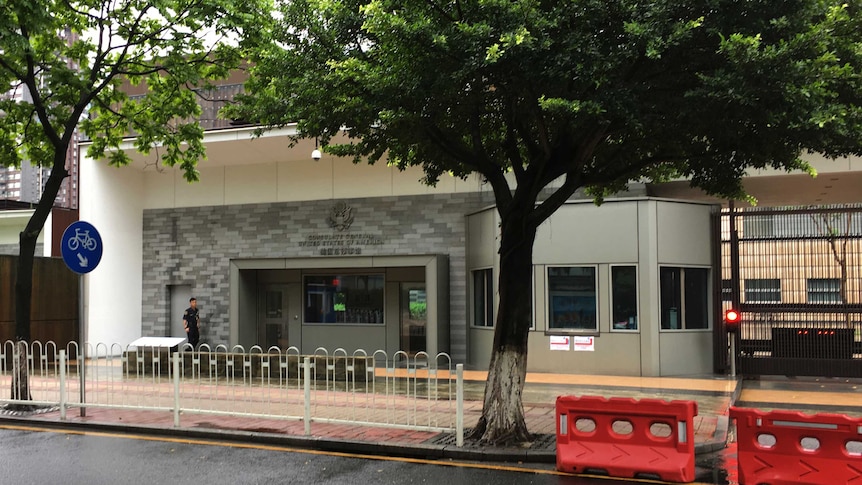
<point>251,446</point>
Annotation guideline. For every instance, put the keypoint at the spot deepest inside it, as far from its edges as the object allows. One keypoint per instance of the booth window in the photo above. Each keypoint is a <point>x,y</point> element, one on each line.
<point>684,298</point>
<point>344,299</point>
<point>624,297</point>
<point>824,290</point>
<point>483,297</point>
<point>572,302</point>
<point>763,290</point>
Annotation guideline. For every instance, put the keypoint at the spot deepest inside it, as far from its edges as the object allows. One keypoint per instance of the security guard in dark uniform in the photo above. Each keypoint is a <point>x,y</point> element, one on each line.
<point>192,322</point>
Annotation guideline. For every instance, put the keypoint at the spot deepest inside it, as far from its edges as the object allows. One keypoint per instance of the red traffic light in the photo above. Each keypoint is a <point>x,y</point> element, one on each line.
<point>732,318</point>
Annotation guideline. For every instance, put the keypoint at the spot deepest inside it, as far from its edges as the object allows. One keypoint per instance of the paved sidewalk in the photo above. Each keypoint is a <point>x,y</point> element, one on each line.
<point>714,397</point>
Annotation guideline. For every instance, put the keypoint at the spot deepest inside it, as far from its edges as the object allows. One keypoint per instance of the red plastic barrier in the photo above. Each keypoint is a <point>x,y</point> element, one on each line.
<point>621,442</point>
<point>785,447</point>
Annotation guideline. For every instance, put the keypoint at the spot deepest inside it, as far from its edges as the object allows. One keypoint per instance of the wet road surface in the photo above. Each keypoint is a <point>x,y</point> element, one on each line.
<point>31,456</point>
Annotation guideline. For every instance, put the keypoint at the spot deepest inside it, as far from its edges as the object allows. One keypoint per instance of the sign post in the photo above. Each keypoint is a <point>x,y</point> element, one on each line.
<point>81,246</point>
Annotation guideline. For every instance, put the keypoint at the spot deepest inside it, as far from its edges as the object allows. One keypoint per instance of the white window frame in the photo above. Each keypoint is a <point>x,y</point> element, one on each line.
<point>682,313</point>
<point>489,293</point>
<point>548,320</point>
<point>637,297</point>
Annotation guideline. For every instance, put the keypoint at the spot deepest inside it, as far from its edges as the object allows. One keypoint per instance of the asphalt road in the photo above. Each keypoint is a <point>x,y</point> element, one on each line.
<point>31,456</point>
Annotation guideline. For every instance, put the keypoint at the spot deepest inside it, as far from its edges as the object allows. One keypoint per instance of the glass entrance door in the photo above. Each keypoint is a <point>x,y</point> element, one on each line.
<point>414,311</point>
<point>272,327</point>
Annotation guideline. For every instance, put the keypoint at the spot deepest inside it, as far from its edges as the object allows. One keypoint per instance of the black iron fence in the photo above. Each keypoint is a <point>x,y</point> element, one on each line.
<point>795,274</point>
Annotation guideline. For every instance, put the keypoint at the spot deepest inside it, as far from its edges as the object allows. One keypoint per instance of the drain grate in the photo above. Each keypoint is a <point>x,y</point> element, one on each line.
<point>9,410</point>
<point>541,442</point>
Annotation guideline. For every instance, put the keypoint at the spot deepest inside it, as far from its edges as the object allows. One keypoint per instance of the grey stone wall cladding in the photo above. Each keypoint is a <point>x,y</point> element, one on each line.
<point>194,246</point>
<point>12,249</point>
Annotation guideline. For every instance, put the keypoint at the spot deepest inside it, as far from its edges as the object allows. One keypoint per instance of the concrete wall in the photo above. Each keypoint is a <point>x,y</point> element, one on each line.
<point>683,232</point>
<point>586,233</point>
<point>684,239</point>
<point>686,353</point>
<point>111,200</point>
<point>12,222</point>
<point>347,337</point>
<point>296,180</point>
<point>12,249</point>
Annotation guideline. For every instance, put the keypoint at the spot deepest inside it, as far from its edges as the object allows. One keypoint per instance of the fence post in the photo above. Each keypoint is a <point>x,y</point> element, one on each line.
<point>307,388</point>
<point>459,407</point>
<point>176,376</point>
<point>62,384</point>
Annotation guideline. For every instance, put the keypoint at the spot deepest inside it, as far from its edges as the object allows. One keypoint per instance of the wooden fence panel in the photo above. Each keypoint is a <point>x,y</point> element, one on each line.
<point>54,314</point>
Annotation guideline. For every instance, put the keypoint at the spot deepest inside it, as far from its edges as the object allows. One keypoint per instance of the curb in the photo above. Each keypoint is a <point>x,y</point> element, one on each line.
<point>419,451</point>
<point>719,439</point>
<point>426,450</point>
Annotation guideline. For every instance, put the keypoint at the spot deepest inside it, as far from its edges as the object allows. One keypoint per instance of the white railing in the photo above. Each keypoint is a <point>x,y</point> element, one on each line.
<point>417,392</point>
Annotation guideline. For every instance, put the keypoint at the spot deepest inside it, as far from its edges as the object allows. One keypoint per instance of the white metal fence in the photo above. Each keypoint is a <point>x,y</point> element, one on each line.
<point>418,392</point>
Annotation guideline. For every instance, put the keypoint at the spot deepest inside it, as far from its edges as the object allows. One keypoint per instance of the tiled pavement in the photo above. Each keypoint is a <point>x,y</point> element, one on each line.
<point>713,395</point>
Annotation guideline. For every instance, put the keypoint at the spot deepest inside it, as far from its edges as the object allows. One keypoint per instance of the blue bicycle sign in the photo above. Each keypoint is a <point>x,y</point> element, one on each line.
<point>81,246</point>
<point>83,239</point>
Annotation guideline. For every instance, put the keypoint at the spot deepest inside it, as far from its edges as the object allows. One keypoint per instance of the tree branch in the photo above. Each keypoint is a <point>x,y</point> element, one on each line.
<point>439,10</point>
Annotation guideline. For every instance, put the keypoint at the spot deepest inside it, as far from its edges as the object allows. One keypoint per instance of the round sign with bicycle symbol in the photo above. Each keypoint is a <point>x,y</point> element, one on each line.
<point>81,246</point>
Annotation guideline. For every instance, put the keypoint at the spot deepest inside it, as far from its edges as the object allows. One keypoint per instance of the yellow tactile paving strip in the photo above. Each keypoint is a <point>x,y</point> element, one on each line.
<point>687,384</point>
<point>715,385</point>
<point>802,397</point>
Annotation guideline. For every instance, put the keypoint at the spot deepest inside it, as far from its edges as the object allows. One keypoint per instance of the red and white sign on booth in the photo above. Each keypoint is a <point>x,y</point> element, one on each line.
<point>587,344</point>
<point>561,342</point>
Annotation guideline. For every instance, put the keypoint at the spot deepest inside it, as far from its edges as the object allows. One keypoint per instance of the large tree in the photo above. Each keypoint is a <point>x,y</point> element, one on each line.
<point>542,98</point>
<point>67,66</point>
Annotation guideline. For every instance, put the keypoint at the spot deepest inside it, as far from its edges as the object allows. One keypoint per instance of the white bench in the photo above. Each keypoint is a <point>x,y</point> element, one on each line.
<point>158,342</point>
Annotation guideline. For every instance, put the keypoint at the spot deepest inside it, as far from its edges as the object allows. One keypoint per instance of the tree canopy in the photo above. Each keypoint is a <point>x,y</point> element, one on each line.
<point>599,92</point>
<point>70,65</point>
<point>67,65</point>
<point>543,97</point>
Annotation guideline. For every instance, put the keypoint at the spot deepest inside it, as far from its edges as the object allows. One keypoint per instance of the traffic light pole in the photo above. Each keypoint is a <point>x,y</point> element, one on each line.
<point>732,337</point>
<point>734,278</point>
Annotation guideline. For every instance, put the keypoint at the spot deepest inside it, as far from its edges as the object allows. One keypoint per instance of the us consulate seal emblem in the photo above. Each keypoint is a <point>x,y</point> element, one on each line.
<point>340,216</point>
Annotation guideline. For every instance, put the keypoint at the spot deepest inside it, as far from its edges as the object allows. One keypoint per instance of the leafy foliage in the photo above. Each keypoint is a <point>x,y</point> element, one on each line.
<point>599,92</point>
<point>69,64</point>
<point>72,63</point>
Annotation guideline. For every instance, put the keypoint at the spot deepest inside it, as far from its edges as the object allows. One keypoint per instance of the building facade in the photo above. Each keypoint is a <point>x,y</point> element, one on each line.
<point>281,250</point>
<point>284,251</point>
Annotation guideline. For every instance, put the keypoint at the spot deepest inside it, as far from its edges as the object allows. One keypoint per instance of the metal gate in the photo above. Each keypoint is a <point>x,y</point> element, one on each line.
<point>795,274</point>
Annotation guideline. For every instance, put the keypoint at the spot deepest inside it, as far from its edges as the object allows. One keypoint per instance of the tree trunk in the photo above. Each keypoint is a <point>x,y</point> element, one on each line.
<point>502,420</point>
<point>24,284</point>
<point>26,255</point>
<point>20,381</point>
